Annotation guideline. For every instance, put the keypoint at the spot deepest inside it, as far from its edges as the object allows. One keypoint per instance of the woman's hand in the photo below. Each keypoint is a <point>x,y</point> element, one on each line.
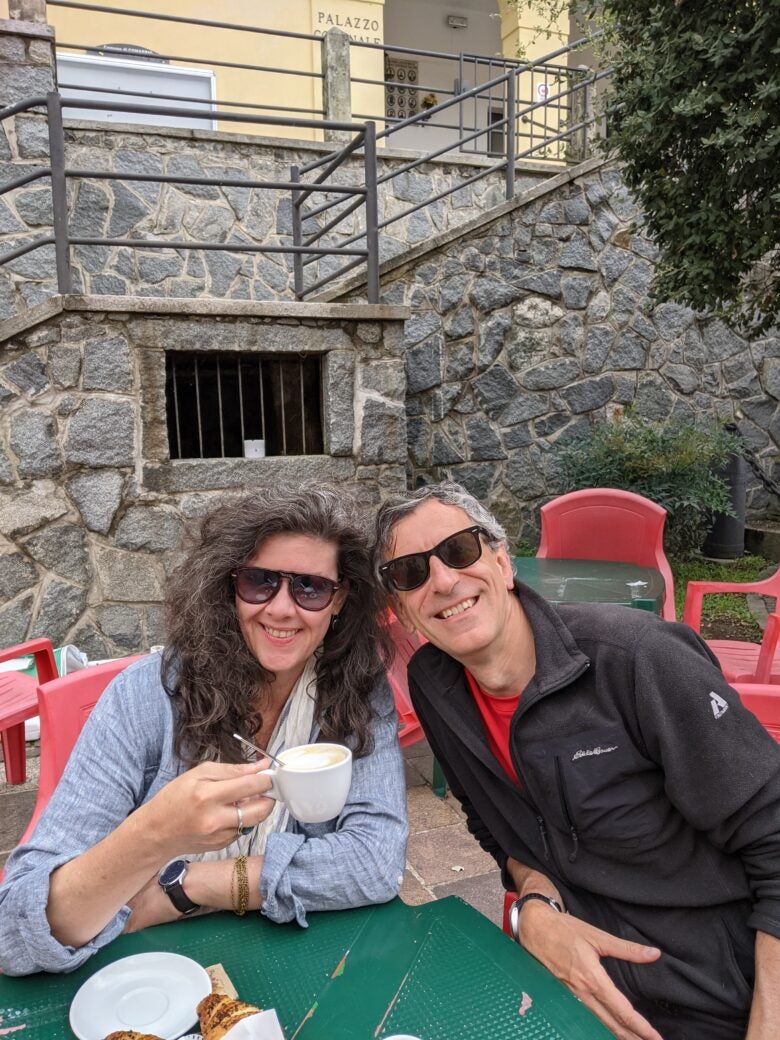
<point>196,812</point>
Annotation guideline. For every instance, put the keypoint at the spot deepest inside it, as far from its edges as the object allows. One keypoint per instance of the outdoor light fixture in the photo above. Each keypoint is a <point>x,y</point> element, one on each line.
<point>457,21</point>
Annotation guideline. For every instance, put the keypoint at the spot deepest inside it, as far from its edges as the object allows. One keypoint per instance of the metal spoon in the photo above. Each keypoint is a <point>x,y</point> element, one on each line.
<point>259,750</point>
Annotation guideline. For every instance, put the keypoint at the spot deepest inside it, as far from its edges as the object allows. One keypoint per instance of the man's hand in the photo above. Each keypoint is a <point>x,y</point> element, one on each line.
<point>572,951</point>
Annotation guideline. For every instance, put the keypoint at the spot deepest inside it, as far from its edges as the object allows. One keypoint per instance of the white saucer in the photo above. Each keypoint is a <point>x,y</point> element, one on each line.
<point>149,992</point>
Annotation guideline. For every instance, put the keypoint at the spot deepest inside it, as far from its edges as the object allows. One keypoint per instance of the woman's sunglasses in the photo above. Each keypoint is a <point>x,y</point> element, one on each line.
<point>410,572</point>
<point>260,585</point>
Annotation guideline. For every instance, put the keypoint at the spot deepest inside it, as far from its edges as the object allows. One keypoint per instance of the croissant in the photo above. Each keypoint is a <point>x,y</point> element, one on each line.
<point>218,1013</point>
<point>130,1034</point>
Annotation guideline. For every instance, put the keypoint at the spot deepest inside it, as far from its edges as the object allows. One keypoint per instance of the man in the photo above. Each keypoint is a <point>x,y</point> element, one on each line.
<point>639,826</point>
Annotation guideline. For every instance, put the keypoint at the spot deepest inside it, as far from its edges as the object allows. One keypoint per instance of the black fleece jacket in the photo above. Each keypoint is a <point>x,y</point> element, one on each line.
<point>649,795</point>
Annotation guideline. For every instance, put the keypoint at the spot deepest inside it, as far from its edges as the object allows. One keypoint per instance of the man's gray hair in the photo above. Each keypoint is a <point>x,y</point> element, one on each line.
<point>450,494</point>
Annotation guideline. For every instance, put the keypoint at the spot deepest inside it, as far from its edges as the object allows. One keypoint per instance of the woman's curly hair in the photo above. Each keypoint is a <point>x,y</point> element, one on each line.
<point>208,670</point>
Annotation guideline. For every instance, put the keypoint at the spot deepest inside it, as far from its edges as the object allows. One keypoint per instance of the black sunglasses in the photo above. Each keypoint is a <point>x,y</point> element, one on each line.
<point>259,585</point>
<point>460,550</point>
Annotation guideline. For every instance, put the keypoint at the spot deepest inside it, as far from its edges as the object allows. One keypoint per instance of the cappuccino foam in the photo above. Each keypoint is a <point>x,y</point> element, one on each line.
<point>313,756</point>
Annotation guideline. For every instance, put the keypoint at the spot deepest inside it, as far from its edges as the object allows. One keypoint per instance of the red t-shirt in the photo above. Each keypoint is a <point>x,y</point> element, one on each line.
<point>496,715</point>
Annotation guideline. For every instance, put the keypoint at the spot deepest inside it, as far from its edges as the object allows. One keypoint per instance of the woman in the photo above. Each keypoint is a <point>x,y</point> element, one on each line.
<point>272,634</point>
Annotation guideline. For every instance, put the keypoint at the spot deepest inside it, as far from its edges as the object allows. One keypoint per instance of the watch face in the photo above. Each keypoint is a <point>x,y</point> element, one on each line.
<point>173,872</point>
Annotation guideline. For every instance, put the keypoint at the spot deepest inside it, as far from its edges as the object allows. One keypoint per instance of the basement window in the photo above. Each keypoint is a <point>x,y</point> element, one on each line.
<point>231,405</point>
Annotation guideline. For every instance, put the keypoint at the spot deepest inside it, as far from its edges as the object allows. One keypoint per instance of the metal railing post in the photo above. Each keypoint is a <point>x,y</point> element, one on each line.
<point>460,104</point>
<point>59,197</point>
<point>510,134</point>
<point>372,213</point>
<point>297,234</point>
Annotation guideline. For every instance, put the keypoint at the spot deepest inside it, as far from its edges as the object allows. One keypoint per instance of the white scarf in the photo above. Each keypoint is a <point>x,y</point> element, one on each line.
<point>293,727</point>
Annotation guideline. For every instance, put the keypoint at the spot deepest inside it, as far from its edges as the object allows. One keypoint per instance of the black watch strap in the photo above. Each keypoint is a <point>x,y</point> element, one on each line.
<point>176,871</point>
<point>180,899</point>
<point>517,906</point>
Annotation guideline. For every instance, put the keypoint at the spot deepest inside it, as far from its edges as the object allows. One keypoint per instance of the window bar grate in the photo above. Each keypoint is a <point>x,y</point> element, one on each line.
<point>241,403</point>
<point>219,406</point>
<point>281,400</point>
<point>262,399</point>
<point>197,408</point>
<point>303,408</point>
<point>176,406</point>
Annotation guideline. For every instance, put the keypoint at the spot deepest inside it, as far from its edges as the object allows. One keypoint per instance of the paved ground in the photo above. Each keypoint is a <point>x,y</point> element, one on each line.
<point>443,859</point>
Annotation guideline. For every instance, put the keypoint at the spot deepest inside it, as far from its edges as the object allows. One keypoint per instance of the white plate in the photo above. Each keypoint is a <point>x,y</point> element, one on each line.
<point>149,992</point>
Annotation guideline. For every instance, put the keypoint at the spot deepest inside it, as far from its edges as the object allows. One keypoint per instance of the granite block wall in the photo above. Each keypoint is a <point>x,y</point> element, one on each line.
<point>527,329</point>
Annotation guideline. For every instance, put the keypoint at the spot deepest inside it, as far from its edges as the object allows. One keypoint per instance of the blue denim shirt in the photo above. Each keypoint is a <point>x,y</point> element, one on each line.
<point>124,756</point>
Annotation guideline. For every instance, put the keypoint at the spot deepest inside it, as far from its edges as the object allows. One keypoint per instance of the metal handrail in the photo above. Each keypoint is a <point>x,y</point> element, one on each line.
<point>60,174</point>
<point>190,100</point>
<point>506,83</point>
<point>216,62</point>
<point>156,16</point>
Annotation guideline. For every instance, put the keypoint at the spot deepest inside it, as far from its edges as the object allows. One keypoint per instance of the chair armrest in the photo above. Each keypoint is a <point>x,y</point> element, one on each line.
<point>768,647</point>
<point>695,592</point>
<point>42,652</point>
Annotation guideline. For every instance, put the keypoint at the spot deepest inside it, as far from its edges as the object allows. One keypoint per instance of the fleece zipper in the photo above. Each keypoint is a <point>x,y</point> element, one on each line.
<point>567,815</point>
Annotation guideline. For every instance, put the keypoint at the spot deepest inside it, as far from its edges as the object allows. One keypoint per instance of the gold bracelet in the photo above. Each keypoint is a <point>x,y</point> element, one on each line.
<point>239,887</point>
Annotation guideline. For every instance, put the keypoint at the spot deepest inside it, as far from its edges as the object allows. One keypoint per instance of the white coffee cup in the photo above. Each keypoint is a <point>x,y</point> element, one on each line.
<point>313,780</point>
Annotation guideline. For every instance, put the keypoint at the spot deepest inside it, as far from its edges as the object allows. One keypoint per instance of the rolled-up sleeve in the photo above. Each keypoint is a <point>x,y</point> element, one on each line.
<point>359,858</point>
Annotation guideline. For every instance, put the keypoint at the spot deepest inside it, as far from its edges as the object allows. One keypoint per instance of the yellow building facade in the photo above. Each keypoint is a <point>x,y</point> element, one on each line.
<point>158,58</point>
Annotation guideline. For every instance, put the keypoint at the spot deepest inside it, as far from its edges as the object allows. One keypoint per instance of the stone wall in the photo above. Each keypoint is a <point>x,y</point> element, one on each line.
<point>92,509</point>
<point>533,324</point>
<point>138,210</point>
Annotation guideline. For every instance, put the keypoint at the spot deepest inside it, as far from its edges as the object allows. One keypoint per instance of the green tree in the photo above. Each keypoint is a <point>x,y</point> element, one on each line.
<point>695,119</point>
<point>696,89</point>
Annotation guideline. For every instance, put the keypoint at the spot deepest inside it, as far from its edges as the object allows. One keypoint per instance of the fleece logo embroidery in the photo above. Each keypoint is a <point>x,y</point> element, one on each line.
<point>593,751</point>
<point>719,706</point>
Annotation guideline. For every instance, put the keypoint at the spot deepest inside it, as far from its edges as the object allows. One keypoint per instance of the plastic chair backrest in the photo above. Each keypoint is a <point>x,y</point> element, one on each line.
<point>608,524</point>
<point>404,646</point>
<point>763,699</point>
<point>42,653</point>
<point>64,706</point>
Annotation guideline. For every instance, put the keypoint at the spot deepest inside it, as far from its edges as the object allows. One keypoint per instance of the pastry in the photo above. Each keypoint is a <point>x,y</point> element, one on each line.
<point>130,1034</point>
<point>218,1013</point>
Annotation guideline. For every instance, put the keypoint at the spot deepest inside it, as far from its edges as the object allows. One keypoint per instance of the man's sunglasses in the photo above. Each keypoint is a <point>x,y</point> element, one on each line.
<point>460,550</point>
<point>260,585</point>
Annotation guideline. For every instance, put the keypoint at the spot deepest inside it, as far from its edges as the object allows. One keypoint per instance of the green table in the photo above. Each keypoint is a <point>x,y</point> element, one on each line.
<point>440,971</point>
<point>593,581</point>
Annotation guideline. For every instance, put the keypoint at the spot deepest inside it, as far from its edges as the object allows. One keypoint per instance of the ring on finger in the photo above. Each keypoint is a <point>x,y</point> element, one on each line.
<point>240,828</point>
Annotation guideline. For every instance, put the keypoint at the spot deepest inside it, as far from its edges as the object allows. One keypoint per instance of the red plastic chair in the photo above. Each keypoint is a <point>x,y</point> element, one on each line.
<point>740,661</point>
<point>19,701</point>
<point>696,591</point>
<point>608,524</point>
<point>405,644</point>
<point>64,706</point>
<point>751,662</point>
<point>763,700</point>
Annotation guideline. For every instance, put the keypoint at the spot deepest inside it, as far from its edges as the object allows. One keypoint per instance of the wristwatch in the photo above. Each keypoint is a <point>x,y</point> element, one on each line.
<point>517,906</point>
<point>170,881</point>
